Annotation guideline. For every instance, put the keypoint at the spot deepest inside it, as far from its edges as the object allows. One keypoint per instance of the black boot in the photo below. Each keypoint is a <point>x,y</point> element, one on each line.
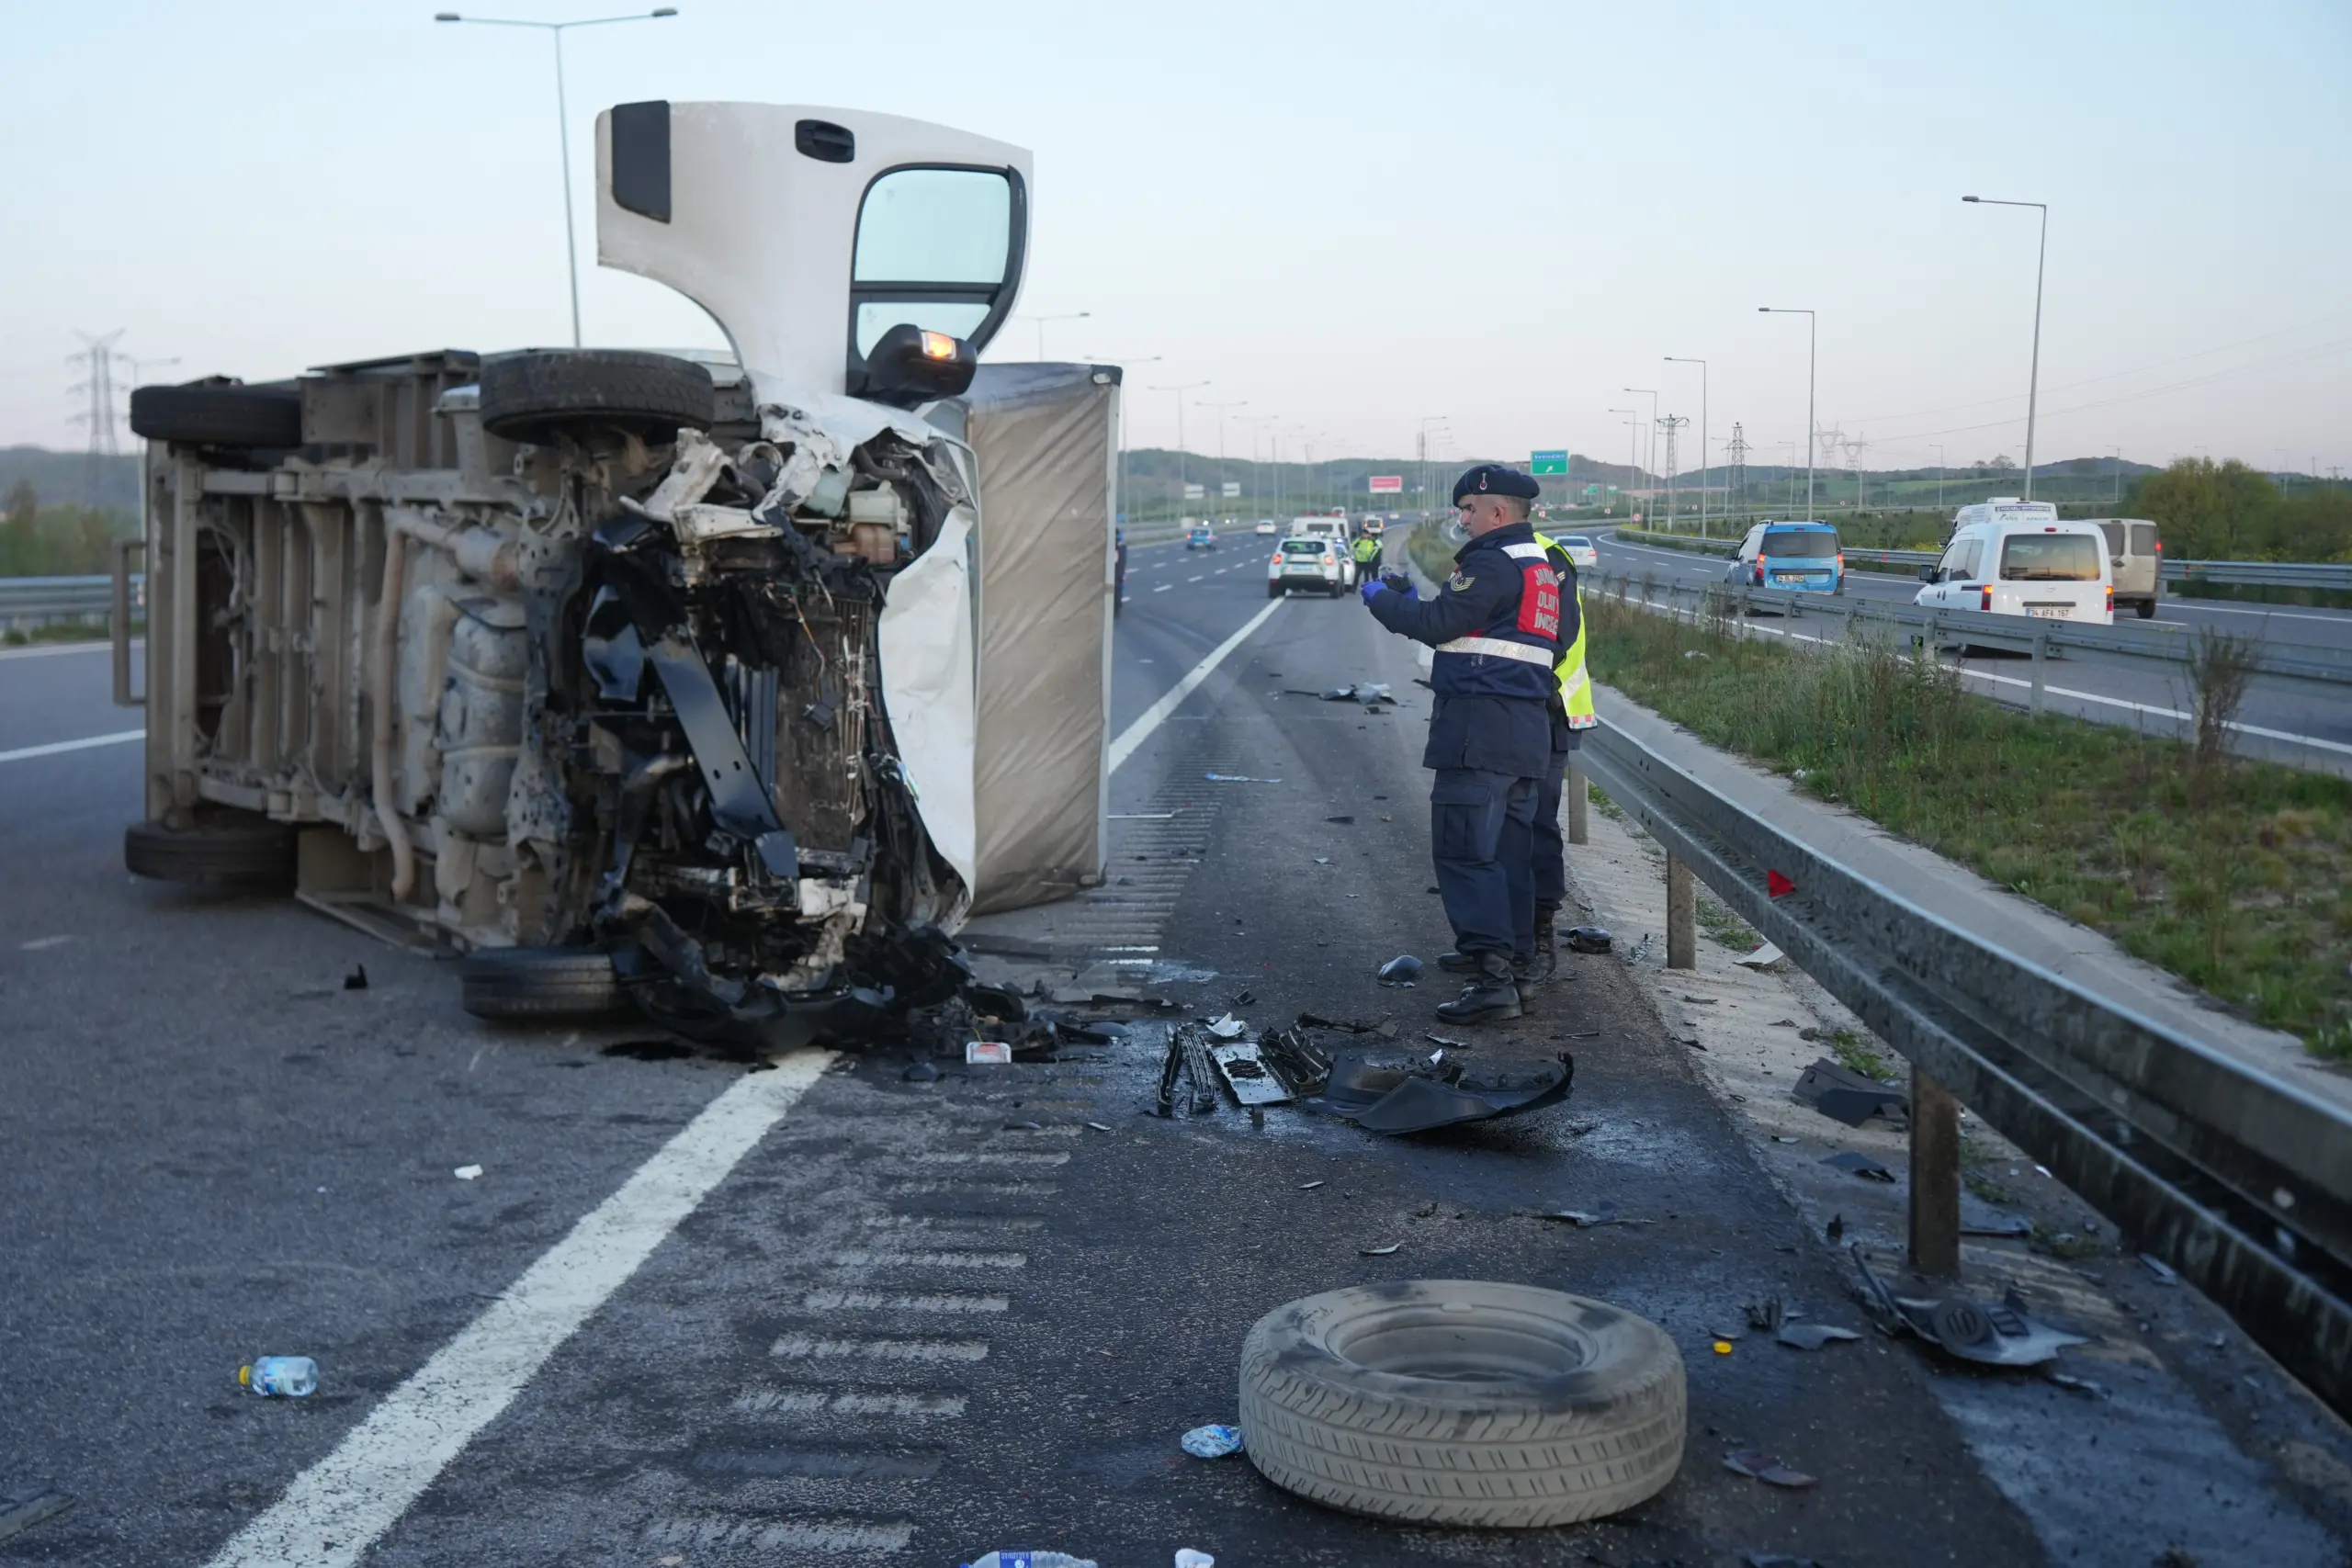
<point>1490,997</point>
<point>1467,963</point>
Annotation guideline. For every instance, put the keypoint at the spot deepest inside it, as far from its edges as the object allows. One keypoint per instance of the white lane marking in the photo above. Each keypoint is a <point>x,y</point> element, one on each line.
<point>1163,587</point>
<point>808,1347</point>
<point>713,1532</point>
<point>848,1402</point>
<point>25,753</point>
<point>2202,607</point>
<point>337,1508</point>
<point>1195,578</point>
<point>882,1301</point>
<point>2154,709</point>
<point>1155,716</point>
<point>51,651</point>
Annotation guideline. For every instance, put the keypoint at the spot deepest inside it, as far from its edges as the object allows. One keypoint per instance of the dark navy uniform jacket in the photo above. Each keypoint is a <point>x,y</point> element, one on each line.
<point>1495,627</point>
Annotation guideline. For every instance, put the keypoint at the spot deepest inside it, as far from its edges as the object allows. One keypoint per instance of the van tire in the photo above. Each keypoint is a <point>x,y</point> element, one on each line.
<point>2146,608</point>
<point>218,415</point>
<point>540,982</point>
<point>1274,591</point>
<point>236,850</point>
<point>1562,1409</point>
<point>530,395</point>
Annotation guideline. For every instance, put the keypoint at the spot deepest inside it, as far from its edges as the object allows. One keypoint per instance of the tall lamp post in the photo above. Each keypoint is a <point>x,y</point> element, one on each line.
<point>1182,483</point>
<point>1041,321</point>
<point>1652,446</point>
<point>1812,360</point>
<point>1632,424</point>
<point>1121,505</point>
<point>1678,359</point>
<point>555,31</point>
<point>1237,404</point>
<point>2033,382</point>
<point>1939,476</point>
<point>1256,476</point>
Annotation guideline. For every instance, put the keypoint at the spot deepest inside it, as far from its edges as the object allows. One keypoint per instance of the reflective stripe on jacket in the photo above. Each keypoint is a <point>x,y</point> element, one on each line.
<point>1575,683</point>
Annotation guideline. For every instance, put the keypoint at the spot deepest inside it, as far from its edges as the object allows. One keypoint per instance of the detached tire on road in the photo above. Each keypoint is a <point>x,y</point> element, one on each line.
<point>540,982</point>
<point>218,416</point>
<point>1463,1402</point>
<point>528,396</point>
<point>228,851</point>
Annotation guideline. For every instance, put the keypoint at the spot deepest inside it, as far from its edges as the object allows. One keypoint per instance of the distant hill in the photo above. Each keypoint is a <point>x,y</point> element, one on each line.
<point>63,478</point>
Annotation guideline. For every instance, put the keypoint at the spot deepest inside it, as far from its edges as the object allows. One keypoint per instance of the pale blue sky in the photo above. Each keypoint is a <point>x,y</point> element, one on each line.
<point>1351,216</point>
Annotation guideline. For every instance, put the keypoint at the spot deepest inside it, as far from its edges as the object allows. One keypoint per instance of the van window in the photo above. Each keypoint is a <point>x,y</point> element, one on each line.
<point>1305,546</point>
<point>2050,558</point>
<point>1785,543</point>
<point>2114,532</point>
<point>2143,538</point>
<point>1959,564</point>
<point>933,247</point>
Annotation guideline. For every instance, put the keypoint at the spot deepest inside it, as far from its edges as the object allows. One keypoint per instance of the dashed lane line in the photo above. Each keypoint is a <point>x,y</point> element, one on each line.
<point>336,1509</point>
<point>1152,718</point>
<point>1163,587</point>
<point>25,753</point>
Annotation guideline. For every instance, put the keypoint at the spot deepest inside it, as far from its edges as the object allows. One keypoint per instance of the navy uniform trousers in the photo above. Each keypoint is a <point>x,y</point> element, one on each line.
<point>1483,818</point>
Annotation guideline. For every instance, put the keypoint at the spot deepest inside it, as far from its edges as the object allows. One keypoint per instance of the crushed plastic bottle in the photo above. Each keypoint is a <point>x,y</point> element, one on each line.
<point>1032,1560</point>
<point>280,1377</point>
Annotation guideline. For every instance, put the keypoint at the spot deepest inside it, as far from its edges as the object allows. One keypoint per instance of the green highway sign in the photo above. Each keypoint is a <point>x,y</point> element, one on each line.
<point>1595,489</point>
<point>1541,463</point>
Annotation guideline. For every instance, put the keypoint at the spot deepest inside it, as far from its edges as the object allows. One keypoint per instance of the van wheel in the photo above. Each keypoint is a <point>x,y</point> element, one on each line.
<point>2146,609</point>
<point>1274,591</point>
<point>530,396</point>
<point>231,849</point>
<point>218,415</point>
<point>540,982</point>
<point>1463,1402</point>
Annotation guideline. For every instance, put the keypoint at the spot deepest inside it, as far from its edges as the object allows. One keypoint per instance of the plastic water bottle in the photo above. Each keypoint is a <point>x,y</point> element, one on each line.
<point>1032,1560</point>
<point>280,1377</point>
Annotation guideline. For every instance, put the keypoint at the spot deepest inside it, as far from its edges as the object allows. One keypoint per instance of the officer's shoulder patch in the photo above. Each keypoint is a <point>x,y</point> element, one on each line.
<point>1459,581</point>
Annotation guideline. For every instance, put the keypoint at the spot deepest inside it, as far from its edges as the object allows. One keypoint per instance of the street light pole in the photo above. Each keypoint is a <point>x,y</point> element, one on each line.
<point>1653,441</point>
<point>1120,500</point>
<point>1675,360</point>
<point>1812,362</point>
<point>555,31</point>
<point>1182,483</point>
<point>1041,321</point>
<point>1632,424</point>
<point>1238,403</point>
<point>2033,382</point>
<point>1939,476</point>
<point>1257,477</point>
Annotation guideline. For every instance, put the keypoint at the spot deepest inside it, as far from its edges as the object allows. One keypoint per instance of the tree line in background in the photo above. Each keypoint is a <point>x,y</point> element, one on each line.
<point>57,541</point>
<point>2227,511</point>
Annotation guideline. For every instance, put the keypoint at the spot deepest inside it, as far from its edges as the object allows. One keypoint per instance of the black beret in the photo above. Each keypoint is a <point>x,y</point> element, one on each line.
<point>1493,478</point>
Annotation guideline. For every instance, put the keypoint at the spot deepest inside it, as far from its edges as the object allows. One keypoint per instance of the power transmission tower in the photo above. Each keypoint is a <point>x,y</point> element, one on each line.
<point>1670,424</point>
<point>97,381</point>
<point>1736,470</point>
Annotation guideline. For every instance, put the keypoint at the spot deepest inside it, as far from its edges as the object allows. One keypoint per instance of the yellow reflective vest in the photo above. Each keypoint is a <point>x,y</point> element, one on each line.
<point>1575,683</point>
<point>1367,550</point>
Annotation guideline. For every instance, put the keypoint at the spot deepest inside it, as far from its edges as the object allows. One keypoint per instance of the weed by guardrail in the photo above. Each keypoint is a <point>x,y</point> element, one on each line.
<point>2238,878</point>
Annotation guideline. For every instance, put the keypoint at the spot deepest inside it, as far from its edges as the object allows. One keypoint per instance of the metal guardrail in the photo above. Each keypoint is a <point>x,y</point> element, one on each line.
<point>2249,573</point>
<point>62,598</point>
<point>2173,646</point>
<point>2240,1180</point>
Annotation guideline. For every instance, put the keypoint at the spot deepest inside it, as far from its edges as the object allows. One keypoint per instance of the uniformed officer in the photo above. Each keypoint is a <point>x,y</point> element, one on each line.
<point>1496,628</point>
<point>1367,549</point>
<point>1570,718</point>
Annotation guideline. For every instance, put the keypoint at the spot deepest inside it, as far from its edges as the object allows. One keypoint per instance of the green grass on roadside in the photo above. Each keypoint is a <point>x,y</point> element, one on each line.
<point>2235,875</point>
<point>62,631</point>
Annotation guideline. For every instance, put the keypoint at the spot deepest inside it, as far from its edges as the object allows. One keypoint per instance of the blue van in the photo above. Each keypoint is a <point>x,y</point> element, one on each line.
<point>1803,557</point>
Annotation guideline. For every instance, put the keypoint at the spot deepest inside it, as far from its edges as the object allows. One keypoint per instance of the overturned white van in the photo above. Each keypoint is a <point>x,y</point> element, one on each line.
<point>725,686</point>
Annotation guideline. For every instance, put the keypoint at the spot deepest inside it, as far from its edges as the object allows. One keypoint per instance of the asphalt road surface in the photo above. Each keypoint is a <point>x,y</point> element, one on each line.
<point>819,1313</point>
<point>2301,723</point>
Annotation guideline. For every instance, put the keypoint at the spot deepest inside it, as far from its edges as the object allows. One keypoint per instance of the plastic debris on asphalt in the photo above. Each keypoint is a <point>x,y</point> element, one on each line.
<point>1401,970</point>
<point>2002,1336</point>
<point>1187,1558</point>
<point>466,1172</point>
<point>1228,1027</point>
<point>1215,1442</point>
<point>1763,957</point>
<point>358,979</point>
<point>1843,1095</point>
<point>280,1377</point>
<point>921,1072</point>
<point>1860,1164</point>
<point>978,1053</point>
<point>1378,1251</point>
<point>1586,939</point>
<point>1236,778</point>
<point>1031,1560</point>
<point>1414,1097</point>
<point>1602,1213</point>
<point>1768,1470</point>
<point>2164,1272</point>
<point>1812,1335</point>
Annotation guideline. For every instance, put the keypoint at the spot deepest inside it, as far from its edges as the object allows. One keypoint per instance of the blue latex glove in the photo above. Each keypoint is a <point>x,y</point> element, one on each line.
<point>1372,587</point>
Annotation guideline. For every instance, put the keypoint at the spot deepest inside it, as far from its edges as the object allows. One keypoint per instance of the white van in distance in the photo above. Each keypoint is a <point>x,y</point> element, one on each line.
<point>2013,566</point>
